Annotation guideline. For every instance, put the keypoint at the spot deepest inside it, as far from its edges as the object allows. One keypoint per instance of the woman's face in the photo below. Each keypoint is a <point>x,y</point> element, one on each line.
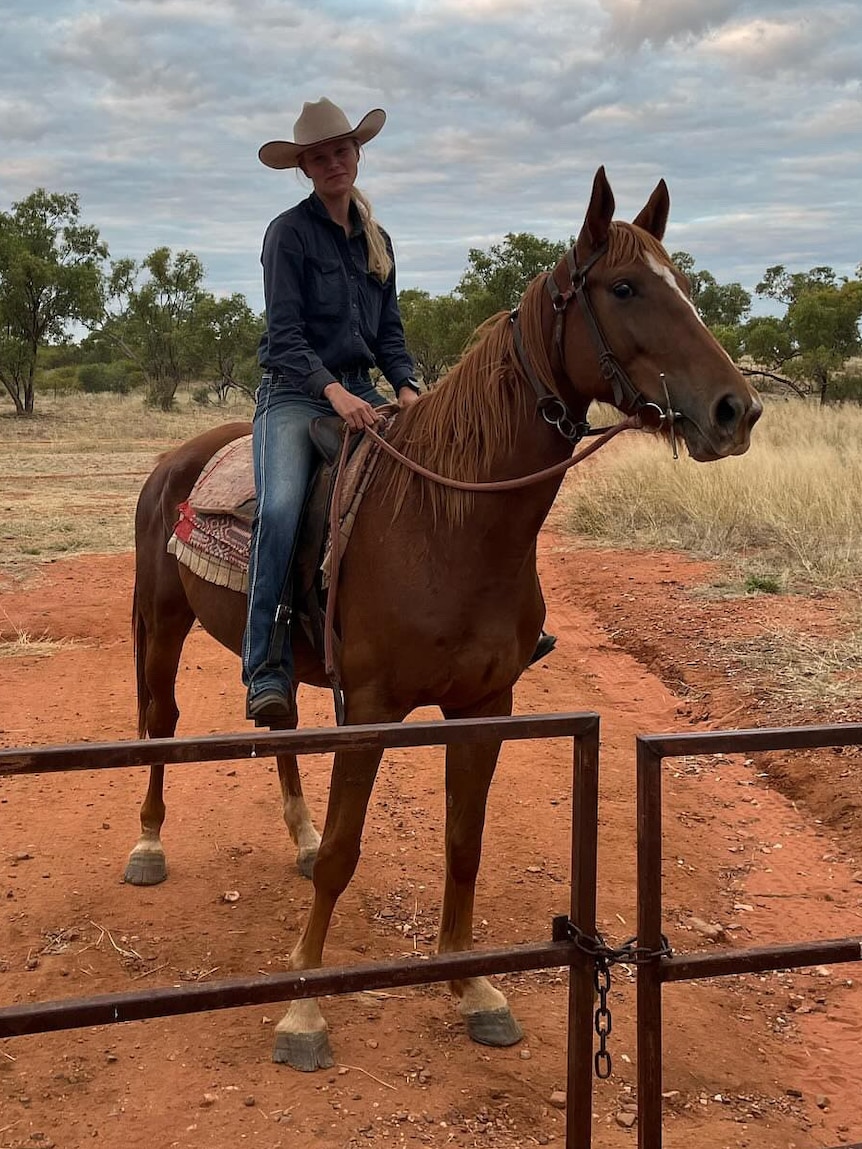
<point>331,167</point>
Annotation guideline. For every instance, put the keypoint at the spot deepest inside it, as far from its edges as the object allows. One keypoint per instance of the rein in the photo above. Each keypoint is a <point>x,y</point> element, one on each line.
<point>642,414</point>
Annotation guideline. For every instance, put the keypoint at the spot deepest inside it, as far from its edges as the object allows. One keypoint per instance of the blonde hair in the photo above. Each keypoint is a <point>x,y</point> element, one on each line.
<point>379,259</point>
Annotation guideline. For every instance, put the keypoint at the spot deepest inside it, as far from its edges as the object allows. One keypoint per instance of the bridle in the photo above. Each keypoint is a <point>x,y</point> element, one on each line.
<point>626,395</point>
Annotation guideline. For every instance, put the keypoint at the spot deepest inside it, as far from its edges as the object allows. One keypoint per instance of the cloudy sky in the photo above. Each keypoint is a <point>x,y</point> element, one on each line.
<point>500,111</point>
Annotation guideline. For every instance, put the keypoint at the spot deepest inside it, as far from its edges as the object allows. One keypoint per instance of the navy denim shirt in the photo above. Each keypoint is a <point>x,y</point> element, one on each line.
<point>327,316</point>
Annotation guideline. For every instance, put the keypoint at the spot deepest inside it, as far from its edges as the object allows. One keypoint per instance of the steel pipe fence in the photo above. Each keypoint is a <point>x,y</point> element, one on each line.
<point>652,750</point>
<point>582,729</point>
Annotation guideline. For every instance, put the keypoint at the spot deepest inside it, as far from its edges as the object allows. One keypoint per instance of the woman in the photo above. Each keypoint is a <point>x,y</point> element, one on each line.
<point>331,315</point>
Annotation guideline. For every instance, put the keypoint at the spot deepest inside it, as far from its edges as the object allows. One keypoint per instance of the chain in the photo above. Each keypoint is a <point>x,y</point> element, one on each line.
<point>605,956</point>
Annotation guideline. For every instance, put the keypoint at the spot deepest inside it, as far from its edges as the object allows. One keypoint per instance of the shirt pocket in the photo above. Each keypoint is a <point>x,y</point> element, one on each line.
<point>327,289</point>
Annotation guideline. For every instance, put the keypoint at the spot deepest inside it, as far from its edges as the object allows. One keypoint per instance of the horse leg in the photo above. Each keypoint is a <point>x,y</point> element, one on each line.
<point>296,814</point>
<point>469,770</point>
<point>301,1038</point>
<point>161,652</point>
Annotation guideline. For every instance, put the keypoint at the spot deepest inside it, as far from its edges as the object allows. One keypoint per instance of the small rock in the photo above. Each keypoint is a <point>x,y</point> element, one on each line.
<point>712,931</point>
<point>248,1101</point>
<point>558,1099</point>
<point>106,825</point>
<point>22,856</point>
<point>626,1120</point>
<point>111,1057</point>
<point>230,896</point>
<point>822,1101</point>
<point>857,877</point>
<point>525,1055</point>
<point>534,869</point>
<point>207,1100</point>
<point>371,1043</point>
<point>31,963</point>
<point>792,1092</point>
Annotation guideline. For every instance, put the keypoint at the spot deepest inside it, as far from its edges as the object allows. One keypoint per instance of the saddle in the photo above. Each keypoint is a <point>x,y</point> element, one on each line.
<point>213,533</point>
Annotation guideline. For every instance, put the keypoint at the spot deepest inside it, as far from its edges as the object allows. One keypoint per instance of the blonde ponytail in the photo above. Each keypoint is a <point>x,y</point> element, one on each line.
<point>379,259</point>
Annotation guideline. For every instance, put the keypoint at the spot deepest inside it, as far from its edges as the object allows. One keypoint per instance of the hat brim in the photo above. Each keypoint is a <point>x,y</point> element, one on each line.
<point>285,153</point>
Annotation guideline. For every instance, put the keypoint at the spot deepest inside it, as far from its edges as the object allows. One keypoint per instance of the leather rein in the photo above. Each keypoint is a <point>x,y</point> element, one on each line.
<point>641,413</point>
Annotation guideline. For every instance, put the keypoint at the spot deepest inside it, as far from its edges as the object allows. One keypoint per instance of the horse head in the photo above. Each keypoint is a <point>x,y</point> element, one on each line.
<point>648,349</point>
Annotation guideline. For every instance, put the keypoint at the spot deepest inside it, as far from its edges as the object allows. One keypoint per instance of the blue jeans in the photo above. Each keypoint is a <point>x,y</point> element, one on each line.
<point>284,460</point>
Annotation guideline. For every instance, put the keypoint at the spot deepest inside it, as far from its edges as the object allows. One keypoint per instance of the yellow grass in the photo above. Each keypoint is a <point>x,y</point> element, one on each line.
<point>790,507</point>
<point>70,476</point>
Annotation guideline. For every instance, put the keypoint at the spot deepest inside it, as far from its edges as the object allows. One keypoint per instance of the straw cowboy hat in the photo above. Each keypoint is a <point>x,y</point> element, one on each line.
<point>318,123</point>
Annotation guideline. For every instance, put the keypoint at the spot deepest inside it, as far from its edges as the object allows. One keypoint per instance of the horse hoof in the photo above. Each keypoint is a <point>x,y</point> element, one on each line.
<point>303,1051</point>
<point>494,1027</point>
<point>146,869</point>
<point>305,860</point>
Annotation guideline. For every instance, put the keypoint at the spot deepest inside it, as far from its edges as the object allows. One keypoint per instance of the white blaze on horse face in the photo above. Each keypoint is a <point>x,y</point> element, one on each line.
<point>665,273</point>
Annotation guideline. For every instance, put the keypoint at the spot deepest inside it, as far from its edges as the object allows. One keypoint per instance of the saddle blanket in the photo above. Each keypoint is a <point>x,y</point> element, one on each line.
<point>213,533</point>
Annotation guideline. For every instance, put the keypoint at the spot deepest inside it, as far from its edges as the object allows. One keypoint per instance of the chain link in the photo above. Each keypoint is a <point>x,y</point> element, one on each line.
<point>604,957</point>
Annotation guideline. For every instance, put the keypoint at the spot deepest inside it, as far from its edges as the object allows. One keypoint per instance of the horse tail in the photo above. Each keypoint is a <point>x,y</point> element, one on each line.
<point>139,649</point>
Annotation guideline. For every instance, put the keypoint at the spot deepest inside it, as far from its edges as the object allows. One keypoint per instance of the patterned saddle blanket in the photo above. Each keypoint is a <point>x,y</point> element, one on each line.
<point>213,533</point>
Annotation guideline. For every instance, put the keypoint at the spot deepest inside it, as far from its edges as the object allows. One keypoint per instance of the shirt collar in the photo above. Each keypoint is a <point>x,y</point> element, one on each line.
<point>319,208</point>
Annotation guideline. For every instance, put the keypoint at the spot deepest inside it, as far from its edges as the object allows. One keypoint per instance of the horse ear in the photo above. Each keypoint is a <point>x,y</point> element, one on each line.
<point>653,217</point>
<point>599,213</point>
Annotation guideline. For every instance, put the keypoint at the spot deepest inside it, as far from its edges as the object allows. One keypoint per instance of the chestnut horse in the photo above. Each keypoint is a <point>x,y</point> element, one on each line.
<point>439,602</point>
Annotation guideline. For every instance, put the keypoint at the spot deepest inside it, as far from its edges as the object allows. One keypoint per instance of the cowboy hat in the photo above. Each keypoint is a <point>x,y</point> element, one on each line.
<point>318,123</point>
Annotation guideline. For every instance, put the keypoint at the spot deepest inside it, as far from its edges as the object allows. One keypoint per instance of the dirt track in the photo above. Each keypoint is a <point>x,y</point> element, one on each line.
<point>746,1060</point>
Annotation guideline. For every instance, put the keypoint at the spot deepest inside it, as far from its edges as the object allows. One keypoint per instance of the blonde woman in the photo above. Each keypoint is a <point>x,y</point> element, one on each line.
<point>331,315</point>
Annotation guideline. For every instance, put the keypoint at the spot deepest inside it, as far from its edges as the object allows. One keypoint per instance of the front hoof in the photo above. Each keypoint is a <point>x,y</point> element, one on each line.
<point>494,1027</point>
<point>145,869</point>
<point>303,1051</point>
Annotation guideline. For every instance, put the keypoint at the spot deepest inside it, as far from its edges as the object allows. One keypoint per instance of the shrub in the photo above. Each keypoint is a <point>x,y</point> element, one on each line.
<point>118,377</point>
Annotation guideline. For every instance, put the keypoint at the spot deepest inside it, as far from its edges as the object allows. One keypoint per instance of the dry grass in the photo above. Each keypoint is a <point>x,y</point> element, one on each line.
<point>802,669</point>
<point>16,642</point>
<point>789,508</point>
<point>70,476</point>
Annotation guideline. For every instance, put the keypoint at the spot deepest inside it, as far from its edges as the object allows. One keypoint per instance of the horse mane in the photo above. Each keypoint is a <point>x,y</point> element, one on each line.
<point>457,428</point>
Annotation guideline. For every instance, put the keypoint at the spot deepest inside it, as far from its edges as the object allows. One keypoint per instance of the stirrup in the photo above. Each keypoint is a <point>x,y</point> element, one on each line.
<point>544,646</point>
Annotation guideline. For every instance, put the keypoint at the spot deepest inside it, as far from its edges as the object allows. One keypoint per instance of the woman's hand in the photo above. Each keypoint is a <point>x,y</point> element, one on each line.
<point>355,412</point>
<point>406,396</point>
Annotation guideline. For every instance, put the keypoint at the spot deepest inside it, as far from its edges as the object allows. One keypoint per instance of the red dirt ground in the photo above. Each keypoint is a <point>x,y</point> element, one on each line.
<point>770,1061</point>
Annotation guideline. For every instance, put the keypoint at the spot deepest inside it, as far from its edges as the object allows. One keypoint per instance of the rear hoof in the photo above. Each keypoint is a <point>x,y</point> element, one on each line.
<point>494,1027</point>
<point>145,869</point>
<point>305,860</point>
<point>303,1051</point>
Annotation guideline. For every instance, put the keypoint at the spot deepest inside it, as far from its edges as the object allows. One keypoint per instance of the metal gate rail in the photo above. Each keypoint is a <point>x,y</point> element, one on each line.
<point>651,752</point>
<point>583,729</point>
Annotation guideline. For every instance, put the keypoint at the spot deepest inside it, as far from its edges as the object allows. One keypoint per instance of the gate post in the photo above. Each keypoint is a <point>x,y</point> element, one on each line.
<point>585,829</point>
<point>649,979</point>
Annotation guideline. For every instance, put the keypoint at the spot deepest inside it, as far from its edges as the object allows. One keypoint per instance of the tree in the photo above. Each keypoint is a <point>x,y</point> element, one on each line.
<point>722,305</point>
<point>436,328</point>
<point>496,279</point>
<point>228,335</point>
<point>157,324</point>
<point>819,331</point>
<point>51,276</point>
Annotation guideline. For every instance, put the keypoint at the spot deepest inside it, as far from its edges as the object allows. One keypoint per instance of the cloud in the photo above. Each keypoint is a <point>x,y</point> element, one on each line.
<point>499,113</point>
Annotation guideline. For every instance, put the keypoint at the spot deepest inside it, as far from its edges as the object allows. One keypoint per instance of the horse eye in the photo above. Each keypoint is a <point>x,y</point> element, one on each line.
<point>623,290</point>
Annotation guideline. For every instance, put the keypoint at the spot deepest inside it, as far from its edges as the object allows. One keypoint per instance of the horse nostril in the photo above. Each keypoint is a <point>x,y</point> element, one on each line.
<point>728,411</point>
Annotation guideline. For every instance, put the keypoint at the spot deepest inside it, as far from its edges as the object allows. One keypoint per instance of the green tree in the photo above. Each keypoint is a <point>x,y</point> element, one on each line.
<point>228,335</point>
<point>720,305</point>
<point>819,332</point>
<point>437,329</point>
<point>51,276</point>
<point>496,279</point>
<point>157,323</point>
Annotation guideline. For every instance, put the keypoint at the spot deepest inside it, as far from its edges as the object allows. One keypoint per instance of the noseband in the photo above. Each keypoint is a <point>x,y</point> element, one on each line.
<point>627,397</point>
